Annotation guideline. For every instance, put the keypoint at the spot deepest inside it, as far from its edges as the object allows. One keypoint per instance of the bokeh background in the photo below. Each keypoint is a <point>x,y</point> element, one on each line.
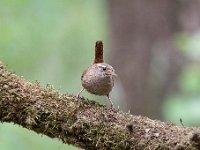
<point>154,47</point>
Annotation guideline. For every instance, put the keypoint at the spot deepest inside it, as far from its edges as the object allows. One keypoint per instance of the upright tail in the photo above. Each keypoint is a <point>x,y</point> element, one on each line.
<point>98,52</point>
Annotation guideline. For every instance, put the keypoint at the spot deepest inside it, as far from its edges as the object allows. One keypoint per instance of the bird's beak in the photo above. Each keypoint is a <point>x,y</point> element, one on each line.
<point>114,74</point>
<point>111,73</point>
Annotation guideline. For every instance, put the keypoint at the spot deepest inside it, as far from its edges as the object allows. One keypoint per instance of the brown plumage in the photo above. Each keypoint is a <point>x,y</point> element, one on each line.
<point>98,52</point>
<point>98,79</point>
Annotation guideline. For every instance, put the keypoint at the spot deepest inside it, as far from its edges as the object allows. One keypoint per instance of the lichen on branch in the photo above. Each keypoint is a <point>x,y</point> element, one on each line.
<point>84,123</point>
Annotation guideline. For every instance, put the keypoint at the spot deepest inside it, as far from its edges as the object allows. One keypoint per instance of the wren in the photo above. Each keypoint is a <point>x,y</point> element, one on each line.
<point>98,79</point>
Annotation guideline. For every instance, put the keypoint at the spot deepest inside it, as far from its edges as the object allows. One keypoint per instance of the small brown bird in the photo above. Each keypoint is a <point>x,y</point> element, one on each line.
<point>98,78</point>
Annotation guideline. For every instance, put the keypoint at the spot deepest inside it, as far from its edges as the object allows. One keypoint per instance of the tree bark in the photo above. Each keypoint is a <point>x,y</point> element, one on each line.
<point>85,123</point>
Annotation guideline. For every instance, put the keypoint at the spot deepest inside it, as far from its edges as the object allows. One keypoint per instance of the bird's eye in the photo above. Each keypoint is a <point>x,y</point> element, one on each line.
<point>104,68</point>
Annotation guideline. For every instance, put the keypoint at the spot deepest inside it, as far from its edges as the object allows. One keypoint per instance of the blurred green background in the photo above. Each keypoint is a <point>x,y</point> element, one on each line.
<point>53,42</point>
<point>185,103</point>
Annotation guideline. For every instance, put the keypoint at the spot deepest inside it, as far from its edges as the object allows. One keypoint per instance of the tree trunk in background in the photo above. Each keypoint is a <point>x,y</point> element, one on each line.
<point>144,53</point>
<point>190,16</point>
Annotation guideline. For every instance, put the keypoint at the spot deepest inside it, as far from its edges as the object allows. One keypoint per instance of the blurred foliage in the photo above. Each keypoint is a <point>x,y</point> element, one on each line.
<point>17,138</point>
<point>52,42</point>
<point>185,103</point>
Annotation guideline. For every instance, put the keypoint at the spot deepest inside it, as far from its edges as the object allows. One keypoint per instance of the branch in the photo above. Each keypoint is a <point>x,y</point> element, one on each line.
<point>84,123</point>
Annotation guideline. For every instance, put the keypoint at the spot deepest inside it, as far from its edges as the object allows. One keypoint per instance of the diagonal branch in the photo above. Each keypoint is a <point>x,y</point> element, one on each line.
<point>84,123</point>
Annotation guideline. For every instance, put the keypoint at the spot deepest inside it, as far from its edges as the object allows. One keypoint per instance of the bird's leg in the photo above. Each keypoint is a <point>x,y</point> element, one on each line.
<point>79,93</point>
<point>111,103</point>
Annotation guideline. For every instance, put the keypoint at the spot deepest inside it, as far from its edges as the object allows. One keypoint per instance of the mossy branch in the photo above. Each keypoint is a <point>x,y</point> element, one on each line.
<point>84,123</point>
